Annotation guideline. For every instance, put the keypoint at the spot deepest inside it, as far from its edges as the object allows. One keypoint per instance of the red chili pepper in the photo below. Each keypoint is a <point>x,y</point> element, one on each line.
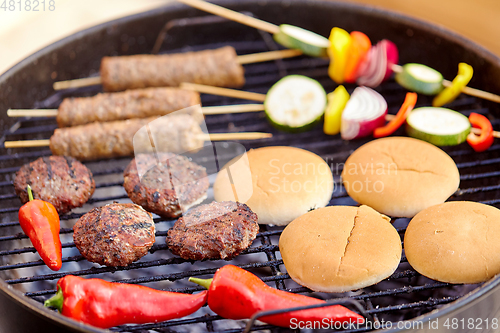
<point>399,119</point>
<point>485,139</point>
<point>235,293</point>
<point>40,222</point>
<point>106,304</point>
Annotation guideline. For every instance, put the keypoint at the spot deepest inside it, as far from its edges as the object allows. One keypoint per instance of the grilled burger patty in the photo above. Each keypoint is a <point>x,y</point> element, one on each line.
<point>60,180</point>
<point>167,186</point>
<point>219,230</point>
<point>115,234</point>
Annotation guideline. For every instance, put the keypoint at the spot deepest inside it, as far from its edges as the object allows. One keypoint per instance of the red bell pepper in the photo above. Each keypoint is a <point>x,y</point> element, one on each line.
<point>485,139</point>
<point>40,222</point>
<point>235,293</point>
<point>399,119</point>
<point>360,45</point>
<point>106,304</point>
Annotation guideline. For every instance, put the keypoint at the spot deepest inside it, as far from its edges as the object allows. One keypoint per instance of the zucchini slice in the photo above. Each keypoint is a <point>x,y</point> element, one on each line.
<point>420,78</point>
<point>295,103</point>
<point>439,126</point>
<point>310,43</point>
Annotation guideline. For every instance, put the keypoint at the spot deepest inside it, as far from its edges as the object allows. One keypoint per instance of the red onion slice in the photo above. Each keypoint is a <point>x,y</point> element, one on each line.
<point>365,111</point>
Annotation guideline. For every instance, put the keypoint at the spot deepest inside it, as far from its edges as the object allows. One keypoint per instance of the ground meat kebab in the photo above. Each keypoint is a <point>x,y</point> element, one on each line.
<point>176,133</point>
<point>217,67</point>
<point>138,103</point>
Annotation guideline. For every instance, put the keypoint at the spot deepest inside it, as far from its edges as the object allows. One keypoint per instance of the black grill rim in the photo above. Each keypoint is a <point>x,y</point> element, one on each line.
<point>476,295</point>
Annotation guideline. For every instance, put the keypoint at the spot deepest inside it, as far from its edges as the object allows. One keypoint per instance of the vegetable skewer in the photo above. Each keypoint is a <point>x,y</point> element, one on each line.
<point>219,67</point>
<point>274,29</point>
<point>262,97</point>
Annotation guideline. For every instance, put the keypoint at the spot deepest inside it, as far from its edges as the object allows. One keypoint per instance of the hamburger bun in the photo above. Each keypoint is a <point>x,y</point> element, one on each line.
<point>400,176</point>
<point>340,248</point>
<point>455,242</point>
<point>277,183</point>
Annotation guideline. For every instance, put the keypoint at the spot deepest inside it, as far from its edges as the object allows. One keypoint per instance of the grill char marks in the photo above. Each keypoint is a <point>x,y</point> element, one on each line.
<point>60,180</point>
<point>69,161</point>
<point>166,188</point>
<point>219,230</point>
<point>115,235</point>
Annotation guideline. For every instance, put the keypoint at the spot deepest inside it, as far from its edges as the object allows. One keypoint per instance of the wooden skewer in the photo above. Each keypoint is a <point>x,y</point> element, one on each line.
<point>77,83</point>
<point>225,109</point>
<point>242,59</point>
<point>206,110</point>
<point>236,136</point>
<point>205,137</point>
<point>267,56</point>
<point>232,15</point>
<point>27,143</point>
<point>223,91</point>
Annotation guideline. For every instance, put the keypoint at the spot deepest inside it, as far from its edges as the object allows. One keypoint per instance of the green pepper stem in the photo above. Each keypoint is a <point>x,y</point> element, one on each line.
<point>202,282</point>
<point>30,193</point>
<point>55,301</point>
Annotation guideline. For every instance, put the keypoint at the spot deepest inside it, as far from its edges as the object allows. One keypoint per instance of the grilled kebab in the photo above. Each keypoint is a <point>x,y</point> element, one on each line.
<point>217,67</point>
<point>138,103</point>
<point>176,133</point>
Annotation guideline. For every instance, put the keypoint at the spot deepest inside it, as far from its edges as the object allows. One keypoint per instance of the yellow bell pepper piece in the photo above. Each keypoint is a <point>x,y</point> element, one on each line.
<point>333,113</point>
<point>340,42</point>
<point>449,94</point>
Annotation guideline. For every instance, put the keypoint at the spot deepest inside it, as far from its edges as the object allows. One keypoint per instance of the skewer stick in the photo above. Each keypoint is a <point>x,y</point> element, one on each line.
<point>225,109</point>
<point>27,143</point>
<point>32,112</point>
<point>205,137</point>
<point>223,91</point>
<point>77,83</point>
<point>207,110</point>
<point>232,15</point>
<point>242,59</point>
<point>236,136</point>
<point>267,56</point>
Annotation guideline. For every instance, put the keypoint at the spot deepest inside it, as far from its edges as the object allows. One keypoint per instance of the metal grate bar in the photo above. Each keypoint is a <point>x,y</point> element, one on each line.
<point>429,302</point>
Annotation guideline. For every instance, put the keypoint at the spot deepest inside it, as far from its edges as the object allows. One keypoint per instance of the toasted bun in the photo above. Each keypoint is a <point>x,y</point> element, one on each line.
<point>277,183</point>
<point>340,248</point>
<point>400,176</point>
<point>455,242</point>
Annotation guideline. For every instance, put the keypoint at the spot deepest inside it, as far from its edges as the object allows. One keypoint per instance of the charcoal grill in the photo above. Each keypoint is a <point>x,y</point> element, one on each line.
<point>25,281</point>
